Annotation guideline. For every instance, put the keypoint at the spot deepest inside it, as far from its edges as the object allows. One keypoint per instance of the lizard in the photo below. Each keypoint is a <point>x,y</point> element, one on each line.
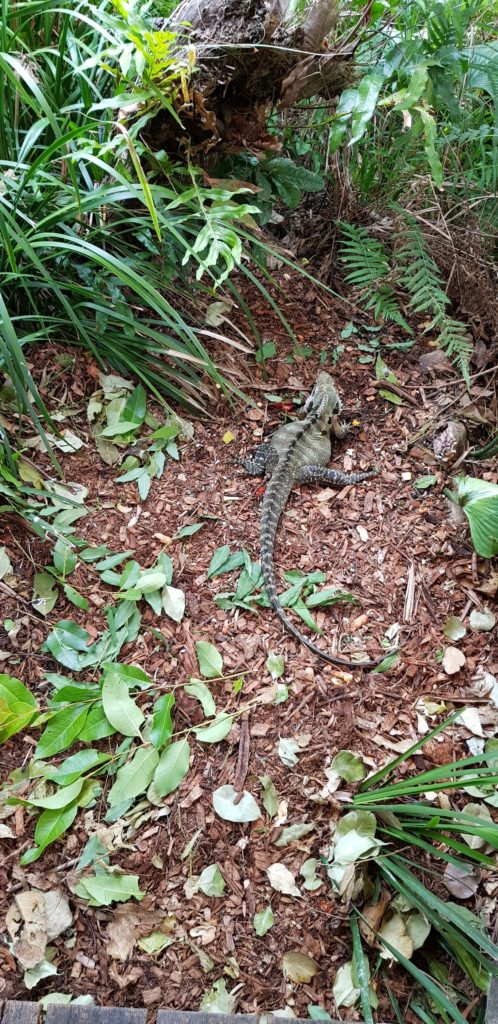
<point>298,452</point>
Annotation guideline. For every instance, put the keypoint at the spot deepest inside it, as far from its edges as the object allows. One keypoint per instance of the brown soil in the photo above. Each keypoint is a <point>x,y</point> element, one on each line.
<point>383,541</point>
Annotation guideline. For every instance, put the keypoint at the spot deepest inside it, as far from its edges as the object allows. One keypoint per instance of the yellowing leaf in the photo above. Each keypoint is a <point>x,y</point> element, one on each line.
<point>299,967</point>
<point>228,437</point>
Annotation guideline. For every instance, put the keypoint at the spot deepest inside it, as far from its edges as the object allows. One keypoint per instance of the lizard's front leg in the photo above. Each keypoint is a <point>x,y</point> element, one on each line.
<point>339,427</point>
<point>310,474</point>
<point>263,460</point>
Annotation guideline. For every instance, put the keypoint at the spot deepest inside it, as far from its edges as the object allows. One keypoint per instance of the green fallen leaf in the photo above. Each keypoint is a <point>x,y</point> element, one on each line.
<point>121,711</point>
<point>196,688</point>
<point>135,776</point>
<point>102,890</point>
<point>209,659</point>
<point>263,920</point>
<point>172,768</point>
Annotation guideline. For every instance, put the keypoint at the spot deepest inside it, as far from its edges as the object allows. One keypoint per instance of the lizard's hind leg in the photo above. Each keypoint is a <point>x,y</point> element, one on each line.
<point>310,474</point>
<point>263,460</point>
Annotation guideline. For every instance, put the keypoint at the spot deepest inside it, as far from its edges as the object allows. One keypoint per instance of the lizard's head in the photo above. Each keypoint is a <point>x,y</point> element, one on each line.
<point>323,400</point>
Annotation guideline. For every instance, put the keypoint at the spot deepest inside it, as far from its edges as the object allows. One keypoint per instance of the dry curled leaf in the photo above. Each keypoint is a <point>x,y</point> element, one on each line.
<point>453,660</point>
<point>299,967</point>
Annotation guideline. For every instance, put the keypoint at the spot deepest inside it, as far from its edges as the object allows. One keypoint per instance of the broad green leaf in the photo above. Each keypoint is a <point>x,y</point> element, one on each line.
<point>97,726</point>
<point>246,808</point>
<point>45,591</point>
<point>134,677</point>
<point>209,659</point>
<point>135,776</point>
<point>162,724</point>
<point>423,482</point>
<point>218,1000</point>
<point>172,768</point>
<point>134,410</point>
<point>270,795</point>
<point>214,731</point>
<point>75,597</point>
<point>62,797</point>
<point>69,644</point>
<point>218,560</point>
<point>479,501</point>
<point>275,664</point>
<point>295,832</point>
<point>93,554</point>
<point>149,581</point>
<point>17,706</point>
<point>430,133</point>
<point>154,943</point>
<point>120,709</point>
<point>349,766</point>
<point>211,881</point>
<point>119,429</point>
<point>317,1012</point>
<point>61,731</point>
<point>49,827</point>
<point>454,628</point>
<point>196,688</point>
<point>71,769</point>
<point>308,871</point>
<point>65,558</point>
<point>263,920</point>
<point>344,991</point>
<point>33,975</point>
<point>366,102</point>
<point>111,561</point>
<point>173,603</point>
<point>165,564</point>
<point>102,890</point>
<point>298,967</point>
<point>331,595</point>
<point>188,531</point>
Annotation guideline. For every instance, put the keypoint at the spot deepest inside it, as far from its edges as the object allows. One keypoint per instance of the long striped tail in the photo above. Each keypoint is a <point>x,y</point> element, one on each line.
<point>274,502</point>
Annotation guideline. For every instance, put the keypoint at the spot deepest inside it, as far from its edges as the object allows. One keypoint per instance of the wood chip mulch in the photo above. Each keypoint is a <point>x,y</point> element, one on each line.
<point>389,543</point>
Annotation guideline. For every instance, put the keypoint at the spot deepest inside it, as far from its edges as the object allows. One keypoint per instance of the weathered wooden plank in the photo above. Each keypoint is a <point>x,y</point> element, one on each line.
<point>191,1017</point>
<point>492,1003</point>
<point>57,1014</point>
<point>188,1017</point>
<point>19,1013</point>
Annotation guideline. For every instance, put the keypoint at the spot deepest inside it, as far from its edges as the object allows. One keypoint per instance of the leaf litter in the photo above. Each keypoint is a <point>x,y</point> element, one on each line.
<point>140,850</point>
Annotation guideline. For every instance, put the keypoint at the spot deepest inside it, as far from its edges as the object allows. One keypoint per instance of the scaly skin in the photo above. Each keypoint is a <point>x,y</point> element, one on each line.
<point>297,453</point>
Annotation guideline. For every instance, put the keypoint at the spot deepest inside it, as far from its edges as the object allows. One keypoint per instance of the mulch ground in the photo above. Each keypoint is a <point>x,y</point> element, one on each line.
<point>389,543</point>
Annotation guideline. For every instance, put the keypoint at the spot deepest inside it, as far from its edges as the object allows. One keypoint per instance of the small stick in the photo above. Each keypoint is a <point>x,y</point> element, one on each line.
<point>243,758</point>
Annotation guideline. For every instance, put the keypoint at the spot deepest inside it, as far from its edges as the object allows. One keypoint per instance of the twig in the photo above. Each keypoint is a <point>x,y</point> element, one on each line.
<point>243,758</point>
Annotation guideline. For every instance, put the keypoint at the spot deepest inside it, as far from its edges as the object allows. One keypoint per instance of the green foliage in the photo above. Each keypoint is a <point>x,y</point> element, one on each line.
<point>411,269</point>
<point>391,824</point>
<point>479,501</point>
<point>367,267</point>
<point>95,251</point>
<point>277,178</point>
<point>428,102</point>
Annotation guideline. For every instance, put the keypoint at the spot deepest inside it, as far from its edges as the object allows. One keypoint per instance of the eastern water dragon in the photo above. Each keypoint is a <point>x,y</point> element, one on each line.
<point>297,453</point>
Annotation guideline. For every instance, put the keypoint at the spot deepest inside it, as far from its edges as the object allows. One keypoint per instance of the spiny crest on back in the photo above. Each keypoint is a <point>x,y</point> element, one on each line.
<point>323,400</point>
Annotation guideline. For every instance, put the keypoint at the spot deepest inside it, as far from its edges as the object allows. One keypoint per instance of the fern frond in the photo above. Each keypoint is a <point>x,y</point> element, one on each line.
<point>419,275</point>
<point>367,265</point>
<point>454,339</point>
<point>364,257</point>
<point>385,307</point>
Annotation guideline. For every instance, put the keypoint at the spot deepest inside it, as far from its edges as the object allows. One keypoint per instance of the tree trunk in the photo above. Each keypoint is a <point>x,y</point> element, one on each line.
<point>250,56</point>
